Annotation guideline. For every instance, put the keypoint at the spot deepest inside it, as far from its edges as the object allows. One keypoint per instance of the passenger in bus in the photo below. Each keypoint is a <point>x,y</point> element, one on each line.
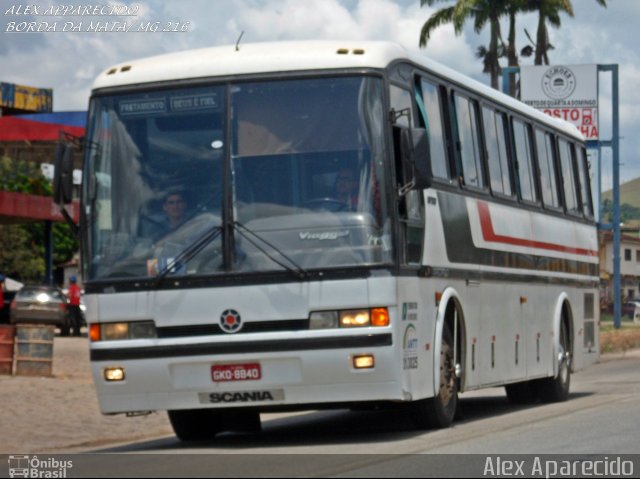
<point>346,188</point>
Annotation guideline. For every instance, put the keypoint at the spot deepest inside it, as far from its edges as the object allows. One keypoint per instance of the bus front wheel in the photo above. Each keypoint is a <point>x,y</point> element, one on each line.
<point>439,411</point>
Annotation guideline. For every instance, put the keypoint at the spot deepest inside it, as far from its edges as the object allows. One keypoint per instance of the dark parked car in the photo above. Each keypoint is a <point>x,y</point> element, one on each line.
<point>41,305</point>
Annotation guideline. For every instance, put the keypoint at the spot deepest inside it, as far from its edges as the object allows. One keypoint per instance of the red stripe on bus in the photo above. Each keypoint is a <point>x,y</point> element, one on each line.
<point>489,234</point>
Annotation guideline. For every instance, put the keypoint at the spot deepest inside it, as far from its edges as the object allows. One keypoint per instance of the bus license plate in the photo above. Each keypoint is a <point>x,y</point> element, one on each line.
<point>236,372</point>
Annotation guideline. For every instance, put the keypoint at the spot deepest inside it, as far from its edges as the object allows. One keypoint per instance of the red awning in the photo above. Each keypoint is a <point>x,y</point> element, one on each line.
<point>16,129</point>
<point>23,207</point>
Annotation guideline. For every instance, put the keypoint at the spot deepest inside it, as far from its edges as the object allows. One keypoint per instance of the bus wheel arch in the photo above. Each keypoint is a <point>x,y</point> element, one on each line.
<point>440,410</point>
<point>450,315</point>
<point>563,318</point>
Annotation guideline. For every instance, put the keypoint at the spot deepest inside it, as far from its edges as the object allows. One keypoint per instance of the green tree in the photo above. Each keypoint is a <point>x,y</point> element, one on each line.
<point>22,246</point>
<point>18,254</point>
<point>627,212</point>
<point>513,8</point>
<point>482,12</point>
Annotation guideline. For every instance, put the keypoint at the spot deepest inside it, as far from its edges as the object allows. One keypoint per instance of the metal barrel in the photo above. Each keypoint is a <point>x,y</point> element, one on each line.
<point>34,350</point>
<point>7,334</point>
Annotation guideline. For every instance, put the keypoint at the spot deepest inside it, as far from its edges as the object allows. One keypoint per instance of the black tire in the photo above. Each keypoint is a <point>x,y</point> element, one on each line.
<point>195,424</point>
<point>557,389</point>
<point>438,412</point>
<point>521,393</point>
<point>242,421</point>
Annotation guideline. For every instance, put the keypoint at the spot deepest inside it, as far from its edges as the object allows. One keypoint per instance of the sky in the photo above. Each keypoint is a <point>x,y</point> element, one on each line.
<point>66,56</point>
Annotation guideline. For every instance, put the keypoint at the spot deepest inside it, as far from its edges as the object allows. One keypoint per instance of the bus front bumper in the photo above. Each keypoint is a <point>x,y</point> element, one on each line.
<point>291,372</point>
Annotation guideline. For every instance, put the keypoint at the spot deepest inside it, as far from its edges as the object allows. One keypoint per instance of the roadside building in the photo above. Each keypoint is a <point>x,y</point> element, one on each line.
<point>30,131</point>
<point>629,267</point>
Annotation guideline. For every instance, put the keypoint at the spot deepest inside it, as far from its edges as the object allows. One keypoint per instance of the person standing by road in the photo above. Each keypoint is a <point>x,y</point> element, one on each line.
<point>75,315</point>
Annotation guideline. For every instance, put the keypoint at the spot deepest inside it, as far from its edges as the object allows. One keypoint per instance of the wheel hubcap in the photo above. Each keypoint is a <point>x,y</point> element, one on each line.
<point>447,374</point>
<point>564,359</point>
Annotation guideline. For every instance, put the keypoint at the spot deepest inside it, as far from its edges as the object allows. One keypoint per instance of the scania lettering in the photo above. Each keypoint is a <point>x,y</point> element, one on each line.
<point>361,223</point>
<point>241,397</point>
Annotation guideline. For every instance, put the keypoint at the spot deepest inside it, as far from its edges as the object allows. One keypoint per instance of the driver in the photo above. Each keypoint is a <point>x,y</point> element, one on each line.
<point>174,207</point>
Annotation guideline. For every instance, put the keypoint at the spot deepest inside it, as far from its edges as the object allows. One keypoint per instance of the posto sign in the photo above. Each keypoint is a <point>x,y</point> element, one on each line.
<point>569,92</point>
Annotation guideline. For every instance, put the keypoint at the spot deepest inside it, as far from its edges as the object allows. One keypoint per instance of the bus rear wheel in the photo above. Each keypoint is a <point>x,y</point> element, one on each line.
<point>438,412</point>
<point>556,389</point>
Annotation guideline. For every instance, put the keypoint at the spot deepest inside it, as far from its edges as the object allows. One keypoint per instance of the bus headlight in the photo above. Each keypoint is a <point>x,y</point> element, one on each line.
<point>114,374</point>
<point>323,320</point>
<point>353,318</point>
<point>142,330</point>
<point>124,330</point>
<point>365,361</point>
<point>115,331</point>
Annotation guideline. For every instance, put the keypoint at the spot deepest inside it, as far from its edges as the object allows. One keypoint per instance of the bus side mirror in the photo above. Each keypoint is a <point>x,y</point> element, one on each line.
<point>63,174</point>
<point>413,151</point>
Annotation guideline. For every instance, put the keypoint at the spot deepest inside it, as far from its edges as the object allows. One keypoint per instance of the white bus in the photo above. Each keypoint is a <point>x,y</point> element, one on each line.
<point>307,225</point>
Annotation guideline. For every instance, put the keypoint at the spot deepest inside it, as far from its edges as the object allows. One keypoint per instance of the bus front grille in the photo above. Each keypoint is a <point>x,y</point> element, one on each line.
<point>248,327</point>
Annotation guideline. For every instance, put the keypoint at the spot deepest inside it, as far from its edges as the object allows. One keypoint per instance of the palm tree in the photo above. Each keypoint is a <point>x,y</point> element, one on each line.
<point>548,12</point>
<point>482,12</point>
<point>508,49</point>
<point>514,7</point>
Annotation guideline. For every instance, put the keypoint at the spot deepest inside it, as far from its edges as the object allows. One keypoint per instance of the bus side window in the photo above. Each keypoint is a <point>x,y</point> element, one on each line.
<point>402,112</point>
<point>585,182</point>
<point>524,161</point>
<point>548,173</point>
<point>568,177</point>
<point>496,146</point>
<point>466,114</point>
<point>411,207</point>
<point>402,106</point>
<point>429,99</point>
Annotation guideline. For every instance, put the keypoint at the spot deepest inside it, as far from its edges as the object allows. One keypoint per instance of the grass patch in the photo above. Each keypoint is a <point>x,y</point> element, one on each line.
<point>614,340</point>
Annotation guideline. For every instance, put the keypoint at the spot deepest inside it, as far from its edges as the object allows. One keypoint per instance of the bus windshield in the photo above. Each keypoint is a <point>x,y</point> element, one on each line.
<point>295,167</point>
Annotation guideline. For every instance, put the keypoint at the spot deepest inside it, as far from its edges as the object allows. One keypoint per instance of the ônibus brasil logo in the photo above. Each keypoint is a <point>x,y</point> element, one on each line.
<point>32,466</point>
<point>230,321</point>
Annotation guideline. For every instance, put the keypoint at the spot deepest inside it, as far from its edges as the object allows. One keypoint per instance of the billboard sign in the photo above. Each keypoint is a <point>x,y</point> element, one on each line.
<point>569,92</point>
<point>26,98</point>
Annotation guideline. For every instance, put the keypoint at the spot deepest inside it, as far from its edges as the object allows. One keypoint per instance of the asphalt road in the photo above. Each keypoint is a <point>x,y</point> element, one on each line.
<point>602,417</point>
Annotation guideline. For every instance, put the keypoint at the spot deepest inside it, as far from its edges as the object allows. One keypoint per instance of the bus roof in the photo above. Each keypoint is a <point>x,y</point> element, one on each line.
<point>271,57</point>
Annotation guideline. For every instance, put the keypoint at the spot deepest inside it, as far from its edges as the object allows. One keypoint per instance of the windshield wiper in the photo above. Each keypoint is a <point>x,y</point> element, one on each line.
<point>296,269</point>
<point>211,234</point>
<point>190,251</point>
